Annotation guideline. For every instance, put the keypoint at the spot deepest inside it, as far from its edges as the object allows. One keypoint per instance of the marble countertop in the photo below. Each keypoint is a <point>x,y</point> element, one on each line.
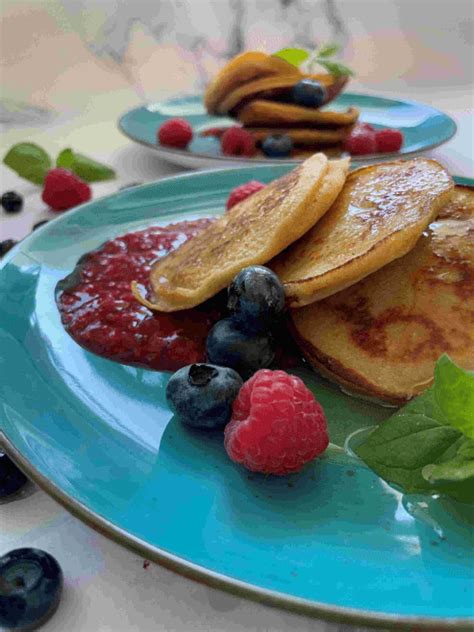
<point>108,588</point>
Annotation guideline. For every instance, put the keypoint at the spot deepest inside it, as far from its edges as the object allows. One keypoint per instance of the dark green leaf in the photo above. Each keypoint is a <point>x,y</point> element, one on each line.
<point>454,392</point>
<point>86,168</point>
<point>336,68</point>
<point>294,56</point>
<point>328,50</point>
<point>29,161</point>
<point>458,468</point>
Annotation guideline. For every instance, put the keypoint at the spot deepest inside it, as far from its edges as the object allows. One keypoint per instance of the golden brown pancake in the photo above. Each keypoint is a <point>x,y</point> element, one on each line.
<point>252,233</point>
<point>311,138</point>
<point>261,113</point>
<point>248,66</point>
<point>379,215</point>
<point>382,336</point>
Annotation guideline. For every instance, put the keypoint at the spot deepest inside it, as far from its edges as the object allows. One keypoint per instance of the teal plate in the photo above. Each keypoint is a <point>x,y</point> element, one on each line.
<point>423,127</point>
<point>334,541</point>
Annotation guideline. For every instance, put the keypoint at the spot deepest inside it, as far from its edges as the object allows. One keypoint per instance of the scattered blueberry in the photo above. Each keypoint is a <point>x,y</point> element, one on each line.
<point>31,582</point>
<point>40,223</point>
<point>309,93</point>
<point>256,298</point>
<point>11,478</point>
<point>245,352</point>
<point>6,245</point>
<point>12,202</point>
<point>277,146</point>
<point>202,394</point>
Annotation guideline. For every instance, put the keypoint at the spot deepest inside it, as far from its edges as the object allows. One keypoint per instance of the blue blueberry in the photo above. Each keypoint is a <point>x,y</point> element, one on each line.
<point>31,582</point>
<point>309,93</point>
<point>201,395</point>
<point>11,478</point>
<point>256,298</point>
<point>6,245</point>
<point>277,146</point>
<point>12,202</point>
<point>245,352</point>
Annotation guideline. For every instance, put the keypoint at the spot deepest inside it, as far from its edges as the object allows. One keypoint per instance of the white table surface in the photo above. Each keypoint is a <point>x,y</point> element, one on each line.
<point>107,588</point>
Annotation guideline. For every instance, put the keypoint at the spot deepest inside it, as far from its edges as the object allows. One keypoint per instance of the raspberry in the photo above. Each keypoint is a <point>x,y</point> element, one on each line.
<point>63,190</point>
<point>176,132</point>
<point>236,141</point>
<point>277,426</point>
<point>388,140</point>
<point>361,141</point>
<point>242,192</point>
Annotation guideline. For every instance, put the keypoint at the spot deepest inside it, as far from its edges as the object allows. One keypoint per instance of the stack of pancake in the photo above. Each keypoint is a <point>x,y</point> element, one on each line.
<point>256,89</point>
<point>378,268</point>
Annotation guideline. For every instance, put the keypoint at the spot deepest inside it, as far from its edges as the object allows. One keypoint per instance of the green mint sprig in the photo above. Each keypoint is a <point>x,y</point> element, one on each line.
<point>323,56</point>
<point>32,162</point>
<point>427,446</point>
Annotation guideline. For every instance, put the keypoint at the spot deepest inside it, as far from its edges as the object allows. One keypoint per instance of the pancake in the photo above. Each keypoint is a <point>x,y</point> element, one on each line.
<point>248,66</point>
<point>379,215</point>
<point>382,337</point>
<point>254,231</point>
<point>276,86</point>
<point>312,138</point>
<point>260,113</point>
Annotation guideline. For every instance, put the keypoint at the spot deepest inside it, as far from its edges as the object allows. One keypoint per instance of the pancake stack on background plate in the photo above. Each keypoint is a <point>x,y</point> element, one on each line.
<point>377,265</point>
<point>256,89</point>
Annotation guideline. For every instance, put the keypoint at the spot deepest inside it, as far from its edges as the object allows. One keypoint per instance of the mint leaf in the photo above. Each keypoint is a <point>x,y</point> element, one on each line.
<point>454,392</point>
<point>328,50</point>
<point>294,56</point>
<point>30,161</point>
<point>336,68</point>
<point>86,168</point>
<point>422,447</point>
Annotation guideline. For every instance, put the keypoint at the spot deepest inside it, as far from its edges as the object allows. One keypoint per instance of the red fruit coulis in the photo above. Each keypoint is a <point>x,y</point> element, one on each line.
<point>100,312</point>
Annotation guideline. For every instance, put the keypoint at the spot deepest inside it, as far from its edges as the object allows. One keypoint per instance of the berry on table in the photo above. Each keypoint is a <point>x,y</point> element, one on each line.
<point>361,141</point>
<point>12,202</point>
<point>388,140</point>
<point>64,190</point>
<point>277,425</point>
<point>201,395</point>
<point>237,141</point>
<point>31,583</point>
<point>242,192</point>
<point>309,93</point>
<point>277,146</point>
<point>245,352</point>
<point>12,479</point>
<point>6,245</point>
<point>256,298</point>
<point>175,132</point>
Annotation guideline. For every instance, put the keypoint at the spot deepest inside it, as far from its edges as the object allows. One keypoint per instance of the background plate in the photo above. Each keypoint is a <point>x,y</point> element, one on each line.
<point>423,127</point>
<point>334,540</point>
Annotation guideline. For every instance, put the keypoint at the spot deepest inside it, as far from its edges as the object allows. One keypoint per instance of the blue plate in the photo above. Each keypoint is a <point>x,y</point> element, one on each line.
<point>423,127</point>
<point>334,541</point>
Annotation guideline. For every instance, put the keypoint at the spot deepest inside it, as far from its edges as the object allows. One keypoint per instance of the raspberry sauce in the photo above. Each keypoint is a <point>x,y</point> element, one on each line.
<point>101,314</point>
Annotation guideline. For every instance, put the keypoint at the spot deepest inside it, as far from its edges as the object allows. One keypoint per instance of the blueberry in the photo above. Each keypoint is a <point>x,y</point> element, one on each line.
<point>40,223</point>
<point>11,478</point>
<point>6,245</point>
<point>31,582</point>
<point>245,352</point>
<point>256,298</point>
<point>277,146</point>
<point>309,93</point>
<point>12,202</point>
<point>202,394</point>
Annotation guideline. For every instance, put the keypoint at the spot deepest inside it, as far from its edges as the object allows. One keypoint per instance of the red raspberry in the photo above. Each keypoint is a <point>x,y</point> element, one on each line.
<point>236,141</point>
<point>63,190</point>
<point>176,132</point>
<point>361,141</point>
<point>388,140</point>
<point>277,426</point>
<point>242,192</point>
